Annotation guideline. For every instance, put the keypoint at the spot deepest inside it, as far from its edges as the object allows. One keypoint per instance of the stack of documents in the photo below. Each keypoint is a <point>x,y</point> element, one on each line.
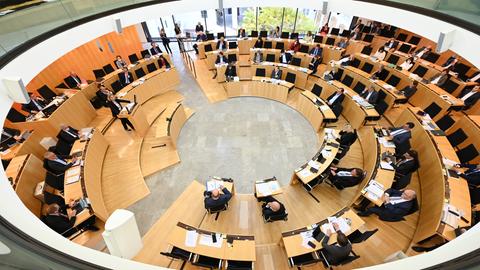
<point>207,240</point>
<point>191,238</point>
<point>341,222</point>
<point>374,190</point>
<point>267,188</point>
<point>214,184</point>
<point>305,173</point>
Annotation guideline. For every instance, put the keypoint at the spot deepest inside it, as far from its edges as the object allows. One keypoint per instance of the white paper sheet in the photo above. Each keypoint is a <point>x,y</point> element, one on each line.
<point>375,190</point>
<point>72,171</point>
<point>305,173</point>
<point>214,184</point>
<point>386,165</point>
<point>307,237</point>
<point>267,187</point>
<point>191,238</point>
<point>72,179</point>
<point>313,164</point>
<point>206,240</point>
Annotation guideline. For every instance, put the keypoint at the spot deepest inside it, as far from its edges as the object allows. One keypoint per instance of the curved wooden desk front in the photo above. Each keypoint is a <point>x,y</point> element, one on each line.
<point>470,124</point>
<point>301,74</point>
<point>31,145</point>
<point>212,56</point>
<point>90,184</point>
<point>259,87</point>
<point>437,188</point>
<point>315,110</point>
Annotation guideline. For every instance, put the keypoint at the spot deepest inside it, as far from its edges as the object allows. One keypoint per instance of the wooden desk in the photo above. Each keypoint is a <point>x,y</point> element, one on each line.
<point>265,52</point>
<point>259,87</point>
<point>328,150</point>
<point>274,187</point>
<point>27,171</point>
<point>293,241</point>
<point>241,249</point>
<point>90,180</point>
<point>301,74</point>
<point>201,47</point>
<point>315,110</point>
<point>470,124</point>
<point>212,56</point>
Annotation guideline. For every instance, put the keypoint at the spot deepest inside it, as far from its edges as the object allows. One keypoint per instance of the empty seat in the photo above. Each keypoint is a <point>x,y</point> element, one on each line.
<point>133,58</point>
<point>108,69</point>
<point>140,72</point>
<point>279,46</point>
<point>239,265</point>
<point>381,107</point>
<point>56,181</point>
<point>50,198</point>
<point>208,262</point>
<point>291,77</point>
<point>457,137</point>
<point>267,45</point>
<point>304,259</point>
<point>393,80</point>
<point>99,73</point>
<point>151,67</point>
<point>433,109</point>
<point>402,182</point>
<point>116,86</point>
<point>420,71</point>
<point>367,50</point>
<point>445,122</point>
<point>359,87</point>
<point>46,93</point>
<point>347,80</point>
<point>317,90</point>
<point>355,63</point>
<point>367,67</point>
<point>260,72</point>
<point>352,257</point>
<point>393,59</point>
<point>296,61</point>
<point>63,147</point>
<point>270,57</point>
<point>467,154</point>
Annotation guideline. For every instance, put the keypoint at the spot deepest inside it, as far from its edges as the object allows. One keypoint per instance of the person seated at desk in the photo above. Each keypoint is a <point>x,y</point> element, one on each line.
<point>155,50</point>
<point>295,46</point>
<point>370,95</point>
<point>285,57</point>
<point>275,33</point>
<point>345,177</point>
<point>472,174</point>
<point>470,96</point>
<point>125,77</point>
<point>258,57</point>
<point>276,73</point>
<point>230,72</point>
<point>35,105</point>
<point>336,253</point>
<point>332,74</point>
<point>475,78</point>
<point>272,207</point>
<point>396,205</point>
<point>103,93</point>
<point>200,38</point>
<point>356,35</point>
<point>336,98</point>
<point>308,37</point>
<point>58,163</point>
<point>214,199</point>
<point>409,90</point>
<point>380,74</point>
<point>162,62</point>
<point>380,54</point>
<point>222,44</point>
<point>119,62</point>
<point>408,63</point>
<point>317,51</point>
<point>221,59</point>
<point>423,52</point>
<point>343,43</point>
<point>241,33</point>
<point>68,134</point>
<point>316,61</point>
<point>450,63</point>
<point>391,44</point>
<point>406,164</point>
<point>401,137</point>
<point>62,221</point>
<point>346,60</point>
<point>8,133</point>
<point>439,79</point>
<point>116,107</point>
<point>74,81</point>
<point>258,44</point>
<point>324,30</point>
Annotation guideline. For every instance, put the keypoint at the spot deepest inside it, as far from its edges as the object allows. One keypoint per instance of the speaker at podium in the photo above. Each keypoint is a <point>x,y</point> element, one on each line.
<point>134,112</point>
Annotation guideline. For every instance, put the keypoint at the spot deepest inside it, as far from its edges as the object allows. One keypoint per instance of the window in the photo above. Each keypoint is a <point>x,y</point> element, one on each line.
<point>215,22</point>
<point>339,20</point>
<point>269,18</point>
<point>308,20</point>
<point>289,20</point>
<point>154,27</point>
<point>188,21</point>
<point>247,19</point>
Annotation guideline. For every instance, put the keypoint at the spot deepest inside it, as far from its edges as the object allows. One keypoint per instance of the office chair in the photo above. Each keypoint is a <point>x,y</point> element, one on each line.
<point>296,61</point>
<point>62,147</point>
<point>402,182</point>
<point>267,45</point>
<point>381,107</point>
<point>133,58</point>
<point>260,72</point>
<point>449,86</point>
<point>393,59</point>
<point>238,265</point>
<point>467,154</point>
<point>178,254</point>
<point>140,73</point>
<point>355,63</point>
<point>151,67</point>
<point>445,122</point>
<point>367,50</point>
<point>291,77</point>
<point>304,259</point>
<point>145,53</point>
<point>99,73</point>
<point>16,116</point>
<point>207,262</point>
<point>50,198</point>
<point>358,237</point>
<point>273,218</point>
<point>347,80</point>
<point>359,87</point>
<point>279,46</point>
<point>347,260</point>
<point>315,182</point>
<point>116,86</point>
<point>54,172</point>
<point>432,109</point>
<point>46,93</point>
<point>217,210</point>
<point>61,85</point>
<point>270,57</point>
<point>381,95</point>
<point>457,137</point>
<point>208,48</point>
<point>317,90</point>
<point>337,110</point>
<point>54,180</point>
<point>108,68</point>
<point>367,67</point>
<point>342,151</point>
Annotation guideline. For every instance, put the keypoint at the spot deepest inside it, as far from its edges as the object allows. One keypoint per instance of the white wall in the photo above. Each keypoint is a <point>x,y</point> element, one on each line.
<point>30,63</point>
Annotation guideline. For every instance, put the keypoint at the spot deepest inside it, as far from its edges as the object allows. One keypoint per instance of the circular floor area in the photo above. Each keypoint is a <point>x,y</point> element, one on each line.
<point>244,138</point>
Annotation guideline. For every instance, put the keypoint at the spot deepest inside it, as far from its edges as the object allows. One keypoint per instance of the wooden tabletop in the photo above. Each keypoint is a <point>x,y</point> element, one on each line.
<point>288,85</point>
<point>327,114</point>
<point>274,187</point>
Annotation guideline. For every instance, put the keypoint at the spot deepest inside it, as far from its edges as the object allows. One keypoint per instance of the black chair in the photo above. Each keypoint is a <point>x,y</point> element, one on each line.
<point>345,33</point>
<point>393,59</point>
<point>268,45</point>
<point>145,53</point>
<point>393,80</point>
<point>99,73</point>
<point>15,116</point>
<point>352,257</point>
<point>296,61</point>
<point>178,254</point>
<point>151,67</point>
<point>270,57</point>
<point>433,109</point>
<point>317,90</point>
<point>61,85</point>
<point>232,45</point>
<point>432,57</point>
<point>420,71</point>
<point>402,182</point>
<point>108,69</point>
<point>116,86</point>
<point>315,182</point>
<point>445,122</point>
<point>273,218</point>
<point>293,35</point>
<point>318,39</point>
<point>304,49</point>
<point>46,93</point>
<point>330,41</point>
<point>260,72</point>
<point>140,73</point>
<point>133,58</point>
<point>207,262</point>
<point>54,180</point>
<point>355,63</point>
<point>254,33</point>
<point>208,47</point>
<point>383,75</point>
<point>449,86</point>
<point>232,58</point>
<point>367,50</point>
<point>263,33</point>
<point>402,37</point>
<point>337,110</point>
<point>457,137</point>
<point>304,259</point>
<point>217,210</point>
<point>220,35</point>
<point>467,154</point>
<point>381,107</point>
<point>50,198</point>
<point>291,77</point>
<point>414,40</point>
<point>347,80</point>
<point>334,31</point>
<point>62,147</point>
<point>367,67</point>
<point>405,48</point>
<point>381,95</point>
<point>279,46</point>
<point>284,35</point>
<point>359,87</point>
<point>368,38</point>
<point>239,265</point>
<point>358,237</point>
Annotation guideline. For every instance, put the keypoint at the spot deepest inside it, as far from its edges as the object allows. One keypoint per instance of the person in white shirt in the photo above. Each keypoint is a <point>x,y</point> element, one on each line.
<point>336,98</point>
<point>285,57</point>
<point>475,78</point>
<point>380,54</point>
<point>439,79</point>
<point>343,178</point>
<point>396,205</point>
<point>58,163</point>
<point>408,64</point>
<point>308,37</point>
<point>422,52</point>
<point>470,97</point>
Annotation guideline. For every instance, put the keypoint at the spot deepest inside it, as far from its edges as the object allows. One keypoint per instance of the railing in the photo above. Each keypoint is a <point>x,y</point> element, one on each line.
<point>186,56</point>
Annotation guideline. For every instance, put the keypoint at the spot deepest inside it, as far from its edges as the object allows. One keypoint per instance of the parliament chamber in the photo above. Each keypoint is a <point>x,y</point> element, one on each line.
<point>374,162</point>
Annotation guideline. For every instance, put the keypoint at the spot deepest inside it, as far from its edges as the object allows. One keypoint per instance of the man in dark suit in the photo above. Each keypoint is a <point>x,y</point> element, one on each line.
<point>62,221</point>
<point>199,27</point>
<point>370,95</point>
<point>423,52</point>
<point>276,73</point>
<point>272,207</point>
<point>343,43</point>
<point>470,97</point>
<point>472,174</point>
<point>230,72</point>
<point>215,199</point>
<point>73,80</point>
<point>316,61</point>
<point>103,93</point>
<point>125,77</point>
<point>391,44</point>
<point>258,57</point>
<point>58,163</point>
<point>155,49</point>
<point>317,51</point>
<point>285,57</point>
<point>8,133</point>
<point>406,164</point>
<point>336,98</point>
<point>200,37</point>
<point>35,105</point>
<point>343,178</point>
<point>439,79</point>
<point>222,44</point>
<point>68,134</point>
<point>259,43</point>
<point>396,205</point>
<point>409,90</point>
<point>335,253</point>
<point>116,107</point>
<point>381,74</point>
<point>401,138</point>
<point>221,59</point>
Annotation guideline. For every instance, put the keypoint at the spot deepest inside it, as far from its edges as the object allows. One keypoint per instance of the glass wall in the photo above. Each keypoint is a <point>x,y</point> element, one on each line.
<point>289,20</point>
<point>340,20</point>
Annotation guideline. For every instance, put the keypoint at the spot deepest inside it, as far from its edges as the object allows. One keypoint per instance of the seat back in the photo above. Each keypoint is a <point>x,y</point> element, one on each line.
<point>279,46</point>
<point>393,59</point>
<point>296,61</point>
<point>270,57</point>
<point>208,48</point>
<point>217,209</point>
<point>367,50</point>
<point>53,180</point>
<point>381,95</point>
<point>140,72</point>
<point>178,253</point>
<point>208,262</point>
<point>347,80</point>
<point>317,90</point>
<point>367,67</point>
<point>15,116</point>
<point>402,182</point>
<point>260,72</point>
<point>359,87</point>
<point>449,86</point>
<point>99,73</point>
<point>393,80</point>
<point>50,198</point>
<point>239,265</point>
<point>116,86</point>
<point>402,37</point>
<point>330,41</point>
<point>420,71</point>
<point>108,68</point>
<point>445,122</point>
<point>46,92</point>
<point>433,109</point>
<point>467,154</point>
<point>62,147</point>
<point>267,44</point>
<point>304,259</point>
<point>133,58</point>
<point>272,218</point>
<point>457,137</point>
<point>318,39</point>
<point>145,53</point>
<point>381,106</point>
<point>291,77</point>
<point>337,109</point>
<point>355,63</point>
<point>151,67</point>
